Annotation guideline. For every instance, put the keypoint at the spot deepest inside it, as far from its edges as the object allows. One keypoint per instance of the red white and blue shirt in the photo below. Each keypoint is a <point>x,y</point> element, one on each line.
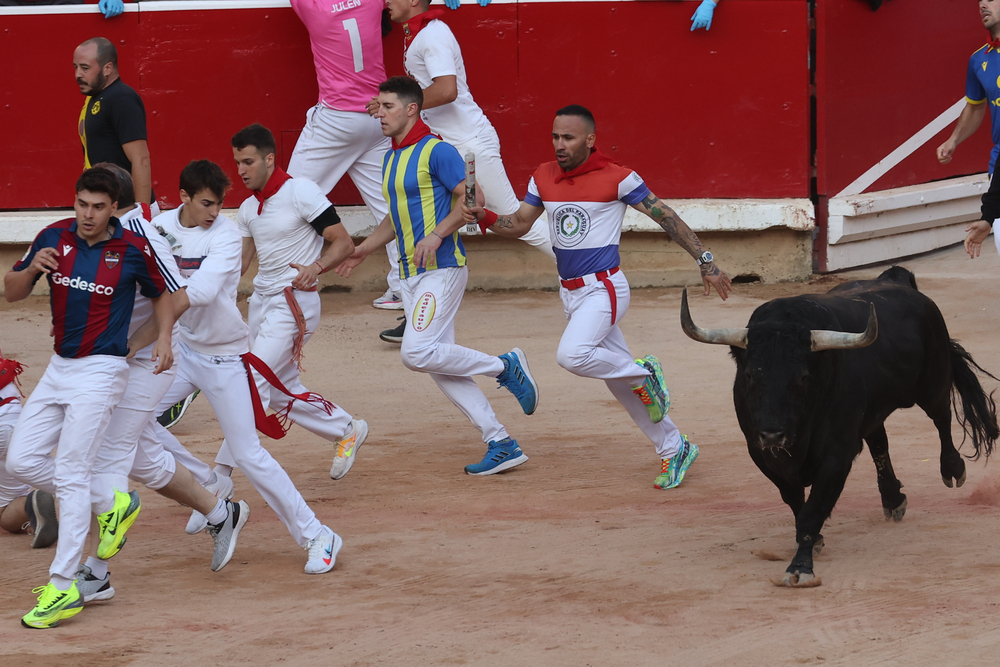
<point>92,292</point>
<point>585,214</point>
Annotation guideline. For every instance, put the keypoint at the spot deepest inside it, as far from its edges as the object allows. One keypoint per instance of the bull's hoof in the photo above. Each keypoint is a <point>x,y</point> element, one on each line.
<point>955,471</point>
<point>798,580</point>
<point>896,514</point>
<point>961,480</point>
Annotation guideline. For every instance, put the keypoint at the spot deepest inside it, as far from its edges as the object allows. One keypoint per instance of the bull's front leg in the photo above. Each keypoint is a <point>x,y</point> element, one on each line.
<point>826,490</point>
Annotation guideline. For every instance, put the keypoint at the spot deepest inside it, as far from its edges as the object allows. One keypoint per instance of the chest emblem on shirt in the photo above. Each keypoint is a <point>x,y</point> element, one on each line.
<point>111,259</point>
<point>423,312</point>
<point>94,110</point>
<point>67,249</point>
<point>572,224</point>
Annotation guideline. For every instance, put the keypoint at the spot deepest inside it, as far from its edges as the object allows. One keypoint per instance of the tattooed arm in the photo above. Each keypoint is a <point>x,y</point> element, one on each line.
<point>678,230</point>
<point>512,226</point>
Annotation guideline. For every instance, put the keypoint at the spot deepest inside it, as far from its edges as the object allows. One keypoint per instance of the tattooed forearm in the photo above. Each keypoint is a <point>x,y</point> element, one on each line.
<point>672,224</point>
<point>504,221</point>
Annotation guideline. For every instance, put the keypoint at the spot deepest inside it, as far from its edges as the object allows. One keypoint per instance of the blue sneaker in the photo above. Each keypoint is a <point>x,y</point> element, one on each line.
<point>516,378</point>
<point>672,470</point>
<point>500,456</point>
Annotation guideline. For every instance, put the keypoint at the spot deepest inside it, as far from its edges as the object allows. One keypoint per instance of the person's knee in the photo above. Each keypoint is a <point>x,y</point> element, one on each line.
<point>573,357</point>
<point>417,358</point>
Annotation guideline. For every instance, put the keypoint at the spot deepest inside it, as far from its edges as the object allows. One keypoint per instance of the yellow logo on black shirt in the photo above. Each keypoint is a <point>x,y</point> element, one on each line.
<point>96,108</point>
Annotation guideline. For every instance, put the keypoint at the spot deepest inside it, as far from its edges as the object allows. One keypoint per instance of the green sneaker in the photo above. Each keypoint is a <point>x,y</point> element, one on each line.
<point>115,523</point>
<point>672,470</point>
<point>53,606</point>
<point>653,392</point>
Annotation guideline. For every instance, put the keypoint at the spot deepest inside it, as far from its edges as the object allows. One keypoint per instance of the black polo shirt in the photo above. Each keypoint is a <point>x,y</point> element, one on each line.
<point>112,117</point>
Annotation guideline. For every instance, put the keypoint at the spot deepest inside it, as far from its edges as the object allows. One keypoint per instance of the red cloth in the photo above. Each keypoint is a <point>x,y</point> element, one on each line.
<point>993,44</point>
<point>276,425</point>
<point>416,24</point>
<point>596,161</point>
<point>416,133</point>
<point>278,178</point>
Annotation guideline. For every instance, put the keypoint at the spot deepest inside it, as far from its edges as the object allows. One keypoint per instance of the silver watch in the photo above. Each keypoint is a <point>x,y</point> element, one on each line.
<point>704,258</point>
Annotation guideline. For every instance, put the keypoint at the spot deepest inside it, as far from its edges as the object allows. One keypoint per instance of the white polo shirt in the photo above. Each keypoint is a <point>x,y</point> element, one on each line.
<point>435,52</point>
<point>210,261</point>
<point>282,233</point>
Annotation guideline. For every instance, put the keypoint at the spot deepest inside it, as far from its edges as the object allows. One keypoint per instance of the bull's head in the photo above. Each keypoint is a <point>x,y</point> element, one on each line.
<point>777,372</point>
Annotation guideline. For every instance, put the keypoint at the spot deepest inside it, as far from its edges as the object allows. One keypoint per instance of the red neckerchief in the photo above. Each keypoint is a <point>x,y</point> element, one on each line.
<point>416,133</point>
<point>597,160</point>
<point>993,44</point>
<point>274,183</point>
<point>416,24</point>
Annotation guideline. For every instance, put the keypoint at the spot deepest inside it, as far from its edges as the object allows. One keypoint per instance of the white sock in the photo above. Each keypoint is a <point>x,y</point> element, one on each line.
<point>221,469</point>
<point>219,514</point>
<point>60,582</point>
<point>98,567</point>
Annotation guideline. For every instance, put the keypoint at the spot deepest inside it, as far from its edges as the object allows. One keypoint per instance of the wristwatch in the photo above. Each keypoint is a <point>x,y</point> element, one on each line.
<point>704,258</point>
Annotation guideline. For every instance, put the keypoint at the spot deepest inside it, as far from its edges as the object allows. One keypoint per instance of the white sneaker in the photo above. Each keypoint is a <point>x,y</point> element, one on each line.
<point>323,550</point>
<point>389,301</point>
<point>347,448</point>
<point>222,488</point>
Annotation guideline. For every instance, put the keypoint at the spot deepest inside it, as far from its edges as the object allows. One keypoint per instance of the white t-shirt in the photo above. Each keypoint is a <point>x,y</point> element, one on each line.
<point>210,261</point>
<point>435,52</point>
<point>282,233</point>
<point>135,222</point>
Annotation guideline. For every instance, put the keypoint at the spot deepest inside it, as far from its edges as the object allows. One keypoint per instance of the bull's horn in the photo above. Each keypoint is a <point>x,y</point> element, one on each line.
<point>734,337</point>
<point>840,340</point>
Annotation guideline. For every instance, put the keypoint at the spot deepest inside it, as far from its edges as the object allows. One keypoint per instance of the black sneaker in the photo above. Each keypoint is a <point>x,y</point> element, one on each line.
<point>42,521</point>
<point>173,414</point>
<point>394,335</point>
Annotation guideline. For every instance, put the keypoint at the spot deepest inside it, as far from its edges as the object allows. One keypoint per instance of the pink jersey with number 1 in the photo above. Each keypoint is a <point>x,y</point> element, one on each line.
<point>346,39</point>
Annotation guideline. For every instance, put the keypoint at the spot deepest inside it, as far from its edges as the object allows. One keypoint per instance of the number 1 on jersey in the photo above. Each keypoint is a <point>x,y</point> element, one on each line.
<point>351,26</point>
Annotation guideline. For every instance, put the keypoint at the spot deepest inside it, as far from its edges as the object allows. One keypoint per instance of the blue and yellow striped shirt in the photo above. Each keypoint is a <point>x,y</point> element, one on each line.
<point>417,182</point>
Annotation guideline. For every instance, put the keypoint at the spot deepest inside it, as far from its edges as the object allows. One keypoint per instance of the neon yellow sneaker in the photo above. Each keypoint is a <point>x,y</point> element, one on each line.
<point>653,391</point>
<point>115,523</point>
<point>53,606</point>
<point>672,470</point>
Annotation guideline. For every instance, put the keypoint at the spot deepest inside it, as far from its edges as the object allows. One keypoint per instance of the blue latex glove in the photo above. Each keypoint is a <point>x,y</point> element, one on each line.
<point>453,4</point>
<point>111,8</point>
<point>702,17</point>
<point>483,3</point>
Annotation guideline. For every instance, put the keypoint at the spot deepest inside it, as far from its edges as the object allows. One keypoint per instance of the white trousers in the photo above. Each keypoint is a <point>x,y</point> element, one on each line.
<point>10,487</point>
<point>593,346</point>
<point>223,381</point>
<point>334,143</point>
<point>134,416</point>
<point>272,330</point>
<point>67,413</point>
<point>431,300</point>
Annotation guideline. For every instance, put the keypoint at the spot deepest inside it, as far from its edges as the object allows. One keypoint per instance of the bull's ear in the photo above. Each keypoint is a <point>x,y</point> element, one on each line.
<point>842,340</point>
<point>733,337</point>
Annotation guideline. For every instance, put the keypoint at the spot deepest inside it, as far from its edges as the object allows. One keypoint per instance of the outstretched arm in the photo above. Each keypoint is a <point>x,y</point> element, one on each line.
<point>384,233</point>
<point>678,230</point>
<point>512,226</point>
<point>702,17</point>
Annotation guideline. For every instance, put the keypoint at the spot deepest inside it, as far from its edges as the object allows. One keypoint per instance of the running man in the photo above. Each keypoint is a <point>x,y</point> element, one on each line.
<point>421,177</point>
<point>584,194</point>
<point>92,264</point>
<point>213,343</point>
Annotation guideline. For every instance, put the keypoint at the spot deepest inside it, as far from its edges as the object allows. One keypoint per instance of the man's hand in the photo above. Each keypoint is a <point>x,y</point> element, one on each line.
<point>111,8</point>
<point>712,276</point>
<point>46,261</point>
<point>946,150</point>
<point>307,275</point>
<point>372,106</point>
<point>702,17</point>
<point>344,268</point>
<point>472,216</point>
<point>978,231</point>
<point>425,248</point>
<point>163,356</point>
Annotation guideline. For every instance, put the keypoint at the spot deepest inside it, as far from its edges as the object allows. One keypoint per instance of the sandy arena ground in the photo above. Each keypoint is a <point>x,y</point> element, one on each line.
<point>571,559</point>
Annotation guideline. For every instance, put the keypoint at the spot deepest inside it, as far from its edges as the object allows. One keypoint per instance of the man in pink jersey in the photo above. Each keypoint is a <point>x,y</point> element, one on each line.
<point>584,194</point>
<point>340,137</point>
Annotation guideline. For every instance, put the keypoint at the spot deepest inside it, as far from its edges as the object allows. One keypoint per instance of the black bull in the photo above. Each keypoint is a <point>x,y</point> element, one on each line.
<point>807,394</point>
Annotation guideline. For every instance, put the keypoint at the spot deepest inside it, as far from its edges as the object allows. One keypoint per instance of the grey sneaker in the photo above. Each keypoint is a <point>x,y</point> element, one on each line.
<point>42,521</point>
<point>91,588</point>
<point>223,488</point>
<point>226,533</point>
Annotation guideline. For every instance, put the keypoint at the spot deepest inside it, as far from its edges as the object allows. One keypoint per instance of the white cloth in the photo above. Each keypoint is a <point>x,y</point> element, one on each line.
<point>594,347</point>
<point>210,260</point>
<point>431,300</point>
<point>223,381</point>
<point>10,487</point>
<point>281,232</point>
<point>334,143</point>
<point>433,53</point>
<point>67,414</point>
